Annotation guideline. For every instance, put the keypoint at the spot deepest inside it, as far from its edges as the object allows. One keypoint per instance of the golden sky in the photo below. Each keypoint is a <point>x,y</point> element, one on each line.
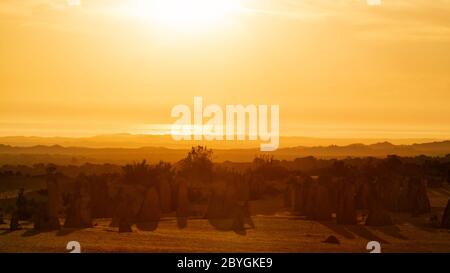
<point>337,68</point>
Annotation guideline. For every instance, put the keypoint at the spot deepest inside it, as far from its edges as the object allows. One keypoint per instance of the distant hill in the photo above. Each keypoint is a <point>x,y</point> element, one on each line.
<point>137,141</point>
<point>78,155</point>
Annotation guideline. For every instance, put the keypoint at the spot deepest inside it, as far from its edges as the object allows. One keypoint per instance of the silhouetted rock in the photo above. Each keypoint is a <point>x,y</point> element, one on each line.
<point>134,195</point>
<point>297,198</point>
<point>54,201</point>
<point>362,197</point>
<point>124,226</point>
<point>322,208</point>
<point>435,222</point>
<point>100,201</point>
<point>128,203</point>
<point>310,198</point>
<point>247,216</point>
<point>78,213</point>
<point>446,217</point>
<point>287,197</point>
<point>183,205</point>
<point>239,217</point>
<point>419,197</point>
<point>120,207</point>
<point>242,188</point>
<point>165,196</point>
<point>332,240</point>
<point>150,210</point>
<point>14,224</point>
<point>301,196</point>
<point>221,206</point>
<point>42,219</point>
<point>378,217</point>
<point>388,192</point>
<point>346,207</point>
<point>403,202</point>
<point>23,208</point>
<point>226,210</point>
<point>216,206</point>
<point>308,195</point>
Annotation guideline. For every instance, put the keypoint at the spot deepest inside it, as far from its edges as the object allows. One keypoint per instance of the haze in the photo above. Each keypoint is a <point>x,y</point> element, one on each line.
<point>336,68</point>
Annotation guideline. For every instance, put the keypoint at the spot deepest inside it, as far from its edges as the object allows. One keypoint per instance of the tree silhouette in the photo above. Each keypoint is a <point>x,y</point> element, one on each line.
<point>197,166</point>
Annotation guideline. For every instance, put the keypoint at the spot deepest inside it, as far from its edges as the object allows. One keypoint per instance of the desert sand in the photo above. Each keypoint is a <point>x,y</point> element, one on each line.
<point>274,232</point>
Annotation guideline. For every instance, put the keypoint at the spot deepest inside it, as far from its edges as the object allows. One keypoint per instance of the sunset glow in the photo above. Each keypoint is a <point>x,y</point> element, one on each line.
<point>337,68</point>
<point>182,15</point>
<point>192,14</point>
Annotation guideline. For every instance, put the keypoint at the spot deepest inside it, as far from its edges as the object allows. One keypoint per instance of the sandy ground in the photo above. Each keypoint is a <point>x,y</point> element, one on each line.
<point>273,233</point>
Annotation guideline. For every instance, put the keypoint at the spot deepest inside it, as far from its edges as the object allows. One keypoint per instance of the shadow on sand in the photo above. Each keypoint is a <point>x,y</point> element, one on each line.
<point>392,231</point>
<point>7,231</point>
<point>232,224</point>
<point>66,231</point>
<point>60,232</point>
<point>351,231</point>
<point>147,226</point>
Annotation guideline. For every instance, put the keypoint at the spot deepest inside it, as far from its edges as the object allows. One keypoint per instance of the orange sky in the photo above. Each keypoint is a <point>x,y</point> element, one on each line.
<point>337,68</point>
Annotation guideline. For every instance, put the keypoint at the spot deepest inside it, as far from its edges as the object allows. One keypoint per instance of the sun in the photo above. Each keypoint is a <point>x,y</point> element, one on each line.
<point>187,15</point>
